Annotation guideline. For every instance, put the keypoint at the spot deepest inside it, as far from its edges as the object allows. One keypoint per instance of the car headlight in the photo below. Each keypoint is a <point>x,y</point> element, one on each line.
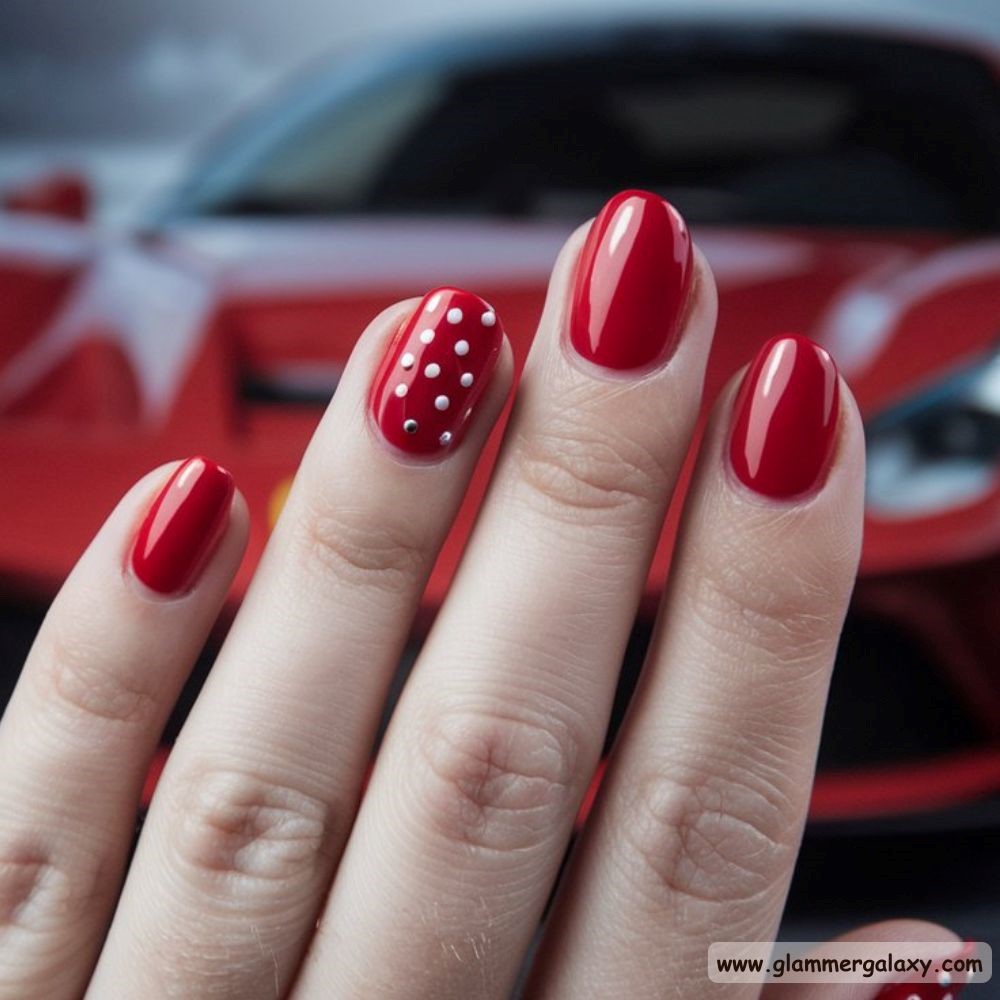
<point>939,449</point>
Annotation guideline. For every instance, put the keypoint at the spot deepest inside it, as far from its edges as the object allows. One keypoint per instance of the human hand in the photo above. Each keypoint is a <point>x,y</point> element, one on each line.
<point>259,873</point>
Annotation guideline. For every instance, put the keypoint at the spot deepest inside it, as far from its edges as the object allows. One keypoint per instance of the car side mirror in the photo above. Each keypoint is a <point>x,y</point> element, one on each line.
<point>62,195</point>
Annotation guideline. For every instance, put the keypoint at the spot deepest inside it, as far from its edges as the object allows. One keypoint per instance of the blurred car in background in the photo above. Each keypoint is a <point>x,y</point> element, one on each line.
<point>842,183</point>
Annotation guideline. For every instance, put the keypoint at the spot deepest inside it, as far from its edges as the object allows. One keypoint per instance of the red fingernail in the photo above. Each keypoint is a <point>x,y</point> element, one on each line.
<point>785,418</point>
<point>435,371</point>
<point>632,282</point>
<point>183,526</point>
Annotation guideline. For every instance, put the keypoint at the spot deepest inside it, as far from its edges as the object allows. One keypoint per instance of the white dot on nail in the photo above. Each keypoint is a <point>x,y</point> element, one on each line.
<point>442,403</point>
<point>426,337</point>
<point>462,348</point>
<point>466,379</point>
<point>445,438</point>
<point>454,315</point>
<point>407,361</point>
<point>488,318</point>
<point>432,370</point>
<point>401,390</point>
<point>410,426</point>
<point>944,979</point>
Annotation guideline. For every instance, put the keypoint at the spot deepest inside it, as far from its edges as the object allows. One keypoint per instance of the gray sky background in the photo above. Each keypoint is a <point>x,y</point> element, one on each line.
<point>137,69</point>
<point>123,90</point>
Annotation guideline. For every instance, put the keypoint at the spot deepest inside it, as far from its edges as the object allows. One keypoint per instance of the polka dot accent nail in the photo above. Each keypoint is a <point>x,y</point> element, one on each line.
<point>435,371</point>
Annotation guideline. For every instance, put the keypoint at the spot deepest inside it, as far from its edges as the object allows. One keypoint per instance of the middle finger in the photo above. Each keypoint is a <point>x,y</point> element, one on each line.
<point>499,729</point>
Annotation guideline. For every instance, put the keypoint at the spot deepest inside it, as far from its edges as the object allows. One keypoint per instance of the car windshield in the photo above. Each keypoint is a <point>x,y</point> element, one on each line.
<point>763,127</point>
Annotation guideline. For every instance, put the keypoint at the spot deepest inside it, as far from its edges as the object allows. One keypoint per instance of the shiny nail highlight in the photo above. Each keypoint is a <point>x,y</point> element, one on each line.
<point>632,283</point>
<point>183,526</point>
<point>435,372</point>
<point>785,418</point>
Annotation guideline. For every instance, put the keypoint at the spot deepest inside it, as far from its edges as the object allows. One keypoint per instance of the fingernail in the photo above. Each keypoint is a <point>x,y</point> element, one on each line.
<point>785,418</point>
<point>632,283</point>
<point>435,371</point>
<point>183,526</point>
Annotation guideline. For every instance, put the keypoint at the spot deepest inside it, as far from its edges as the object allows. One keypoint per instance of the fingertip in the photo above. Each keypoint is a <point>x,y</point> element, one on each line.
<point>704,291</point>
<point>237,534</point>
<point>503,375</point>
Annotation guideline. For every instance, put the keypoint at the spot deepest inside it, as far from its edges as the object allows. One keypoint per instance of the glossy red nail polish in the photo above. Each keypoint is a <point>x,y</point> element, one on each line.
<point>435,371</point>
<point>632,283</point>
<point>785,418</point>
<point>183,526</point>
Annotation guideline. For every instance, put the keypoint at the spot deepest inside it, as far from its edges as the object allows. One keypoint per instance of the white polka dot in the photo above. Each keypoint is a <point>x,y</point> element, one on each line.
<point>488,318</point>
<point>410,426</point>
<point>445,438</point>
<point>454,315</point>
<point>426,337</point>
<point>401,390</point>
<point>944,979</point>
<point>407,360</point>
<point>442,403</point>
<point>432,370</point>
<point>462,348</point>
<point>466,379</point>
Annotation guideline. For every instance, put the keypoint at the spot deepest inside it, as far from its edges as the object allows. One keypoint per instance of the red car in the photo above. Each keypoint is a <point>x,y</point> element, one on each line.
<point>845,184</point>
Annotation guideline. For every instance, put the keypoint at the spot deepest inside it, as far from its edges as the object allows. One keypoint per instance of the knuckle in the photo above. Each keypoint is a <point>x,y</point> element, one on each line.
<point>232,823</point>
<point>572,473</point>
<point>37,892</point>
<point>788,612</point>
<point>497,782</point>
<point>25,877</point>
<point>363,549</point>
<point>703,839</point>
<point>91,684</point>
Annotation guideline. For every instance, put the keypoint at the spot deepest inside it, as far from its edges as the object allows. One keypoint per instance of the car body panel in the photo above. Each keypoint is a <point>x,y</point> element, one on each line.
<point>188,310</point>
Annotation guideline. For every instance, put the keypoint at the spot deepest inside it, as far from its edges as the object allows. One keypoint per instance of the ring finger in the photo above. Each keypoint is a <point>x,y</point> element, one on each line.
<point>696,830</point>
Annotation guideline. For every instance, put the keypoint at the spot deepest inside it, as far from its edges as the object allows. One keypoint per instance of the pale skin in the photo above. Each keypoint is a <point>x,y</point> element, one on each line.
<point>260,872</point>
